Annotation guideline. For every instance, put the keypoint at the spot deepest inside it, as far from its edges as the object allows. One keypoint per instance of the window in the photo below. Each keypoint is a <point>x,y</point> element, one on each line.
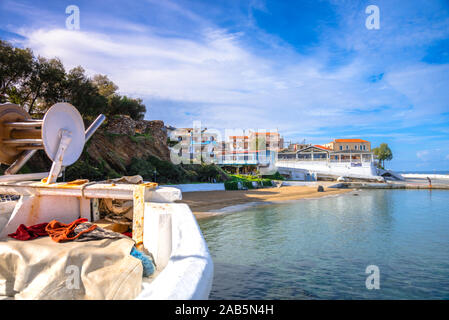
<point>347,147</point>
<point>364,147</point>
<point>341,148</point>
<point>361,147</point>
<point>355,147</point>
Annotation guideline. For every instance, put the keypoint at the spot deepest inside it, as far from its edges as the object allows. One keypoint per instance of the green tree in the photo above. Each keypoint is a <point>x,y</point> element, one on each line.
<point>45,85</point>
<point>84,95</point>
<point>383,152</point>
<point>105,86</point>
<point>41,87</point>
<point>124,105</point>
<point>15,66</point>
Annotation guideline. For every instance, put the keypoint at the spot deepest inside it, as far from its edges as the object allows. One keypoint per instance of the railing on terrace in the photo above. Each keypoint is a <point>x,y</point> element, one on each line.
<point>239,162</point>
<point>309,159</point>
<point>326,160</point>
<point>279,162</point>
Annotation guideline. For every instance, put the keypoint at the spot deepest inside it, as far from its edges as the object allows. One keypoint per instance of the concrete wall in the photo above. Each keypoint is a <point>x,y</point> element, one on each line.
<point>364,170</point>
<point>191,187</point>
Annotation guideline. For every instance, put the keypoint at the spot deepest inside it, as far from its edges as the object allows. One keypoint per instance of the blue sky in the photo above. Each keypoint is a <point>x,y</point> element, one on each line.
<point>308,68</point>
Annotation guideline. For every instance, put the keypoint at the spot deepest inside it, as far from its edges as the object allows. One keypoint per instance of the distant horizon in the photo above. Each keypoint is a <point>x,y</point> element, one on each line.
<point>426,172</point>
<point>313,70</point>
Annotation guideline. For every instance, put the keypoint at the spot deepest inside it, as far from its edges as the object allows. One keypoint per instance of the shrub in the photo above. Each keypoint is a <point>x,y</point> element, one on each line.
<point>141,167</point>
<point>167,172</point>
<point>231,185</point>
<point>112,174</point>
<point>204,172</point>
<point>138,137</point>
<point>248,184</point>
<point>276,176</point>
<point>267,183</point>
<point>83,169</point>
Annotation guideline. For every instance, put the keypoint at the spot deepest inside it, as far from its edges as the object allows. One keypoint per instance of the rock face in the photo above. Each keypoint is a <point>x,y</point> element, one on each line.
<point>124,138</point>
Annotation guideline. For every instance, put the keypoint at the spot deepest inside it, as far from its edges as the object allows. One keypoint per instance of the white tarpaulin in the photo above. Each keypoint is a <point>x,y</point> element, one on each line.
<point>44,269</point>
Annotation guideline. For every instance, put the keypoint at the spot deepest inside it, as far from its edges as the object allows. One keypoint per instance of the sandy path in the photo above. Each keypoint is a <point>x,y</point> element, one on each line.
<point>203,204</point>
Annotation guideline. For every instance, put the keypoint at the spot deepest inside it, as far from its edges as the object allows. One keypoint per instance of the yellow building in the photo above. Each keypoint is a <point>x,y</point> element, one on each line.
<point>349,145</point>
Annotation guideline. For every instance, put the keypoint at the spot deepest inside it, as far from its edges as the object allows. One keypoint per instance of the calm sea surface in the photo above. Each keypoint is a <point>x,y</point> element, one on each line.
<point>319,249</point>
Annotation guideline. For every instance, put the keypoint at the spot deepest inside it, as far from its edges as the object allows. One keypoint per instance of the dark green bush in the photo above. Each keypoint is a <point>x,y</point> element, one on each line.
<point>231,185</point>
<point>167,172</point>
<point>141,167</point>
<point>204,172</point>
<point>248,184</point>
<point>84,169</point>
<point>276,176</point>
<point>267,183</point>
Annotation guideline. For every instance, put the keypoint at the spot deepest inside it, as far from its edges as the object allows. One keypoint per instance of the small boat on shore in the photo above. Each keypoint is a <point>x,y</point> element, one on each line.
<point>103,268</point>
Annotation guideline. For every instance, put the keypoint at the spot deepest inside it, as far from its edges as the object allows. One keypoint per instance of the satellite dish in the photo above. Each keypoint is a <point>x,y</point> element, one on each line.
<point>63,116</point>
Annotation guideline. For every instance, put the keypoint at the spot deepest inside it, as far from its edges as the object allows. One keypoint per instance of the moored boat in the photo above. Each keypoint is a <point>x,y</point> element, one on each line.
<point>165,231</point>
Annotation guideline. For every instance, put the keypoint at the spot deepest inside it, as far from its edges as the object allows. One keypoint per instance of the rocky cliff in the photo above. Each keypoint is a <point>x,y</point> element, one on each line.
<point>123,139</point>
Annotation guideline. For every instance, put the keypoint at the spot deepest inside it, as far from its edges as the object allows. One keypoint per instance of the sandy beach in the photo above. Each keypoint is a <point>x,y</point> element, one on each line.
<point>207,203</point>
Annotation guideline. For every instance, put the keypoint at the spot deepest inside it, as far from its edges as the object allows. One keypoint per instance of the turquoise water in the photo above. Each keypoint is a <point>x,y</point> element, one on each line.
<point>319,249</point>
<point>425,172</point>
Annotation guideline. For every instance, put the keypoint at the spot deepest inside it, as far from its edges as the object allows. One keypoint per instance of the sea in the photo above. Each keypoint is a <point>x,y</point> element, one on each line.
<point>370,244</point>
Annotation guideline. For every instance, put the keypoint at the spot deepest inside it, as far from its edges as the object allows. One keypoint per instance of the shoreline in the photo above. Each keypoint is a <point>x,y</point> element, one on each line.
<point>239,207</point>
<point>206,204</point>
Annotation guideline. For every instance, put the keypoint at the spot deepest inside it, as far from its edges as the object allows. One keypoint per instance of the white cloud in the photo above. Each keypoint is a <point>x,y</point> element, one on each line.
<point>216,77</point>
<point>434,155</point>
<point>228,84</point>
<point>423,155</point>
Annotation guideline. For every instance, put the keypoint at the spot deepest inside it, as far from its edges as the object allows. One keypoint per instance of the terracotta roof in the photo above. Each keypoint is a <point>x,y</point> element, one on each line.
<point>321,147</point>
<point>266,133</point>
<point>350,140</point>
<point>239,137</point>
